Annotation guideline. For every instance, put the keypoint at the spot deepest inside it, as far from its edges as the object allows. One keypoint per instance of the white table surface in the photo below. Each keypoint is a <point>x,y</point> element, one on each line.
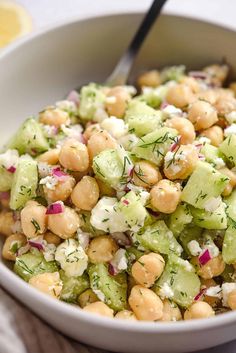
<point>46,12</point>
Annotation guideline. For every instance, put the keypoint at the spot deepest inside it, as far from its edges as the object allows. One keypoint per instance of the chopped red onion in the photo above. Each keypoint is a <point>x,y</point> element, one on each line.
<point>23,250</point>
<point>204,257</point>
<point>36,244</point>
<point>73,96</point>
<point>198,146</point>
<point>201,156</point>
<point>4,195</point>
<point>126,202</point>
<point>131,172</point>
<point>55,208</point>
<point>11,169</point>
<point>200,294</point>
<point>59,173</point>
<point>111,269</point>
<point>164,104</point>
<point>198,75</point>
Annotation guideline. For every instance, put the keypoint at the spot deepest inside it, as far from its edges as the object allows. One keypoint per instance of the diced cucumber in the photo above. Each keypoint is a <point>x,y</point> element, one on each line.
<point>229,245</point>
<point>212,155</point>
<point>110,289</point>
<point>113,167</point>
<point>91,99</point>
<point>155,145</point>
<point>29,138</point>
<point>86,225</point>
<point>133,211</point>
<point>32,264</point>
<point>142,119</point>
<point>204,184</point>
<point>172,73</point>
<point>6,179</point>
<point>157,237</point>
<point>153,96</point>
<point>190,232</point>
<point>179,219</point>
<point>210,220</point>
<point>231,207</point>
<point>228,148</point>
<point>24,184</point>
<point>73,286</point>
<point>182,280</point>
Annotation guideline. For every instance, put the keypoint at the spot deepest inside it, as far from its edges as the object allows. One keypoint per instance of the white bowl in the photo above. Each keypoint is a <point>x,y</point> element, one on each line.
<point>41,69</point>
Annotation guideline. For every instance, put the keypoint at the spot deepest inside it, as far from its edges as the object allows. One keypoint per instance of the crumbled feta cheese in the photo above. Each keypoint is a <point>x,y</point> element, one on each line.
<point>49,251</point>
<point>49,130</point>
<point>231,130</point>
<point>214,292</point>
<point>231,117</point>
<point>16,227</point>
<point>212,204</point>
<point>83,238</point>
<point>99,294</point>
<point>219,163</point>
<point>66,105</point>
<point>130,90</point>
<point>212,248</point>
<point>100,115</point>
<point>226,289</point>
<point>75,131</point>
<point>128,141</point>
<point>141,192</point>
<point>194,248</point>
<point>116,127</point>
<point>119,261</point>
<point>165,291</point>
<point>171,111</point>
<point>104,216</point>
<point>44,169</point>
<point>204,140</point>
<point>72,258</point>
<point>49,181</point>
<point>9,159</point>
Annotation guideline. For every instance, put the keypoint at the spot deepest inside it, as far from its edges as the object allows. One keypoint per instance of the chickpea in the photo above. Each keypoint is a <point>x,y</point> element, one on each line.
<point>146,174</point>
<point>126,315</point>
<point>148,269</point>
<point>165,196</point>
<point>48,283</point>
<point>212,268</point>
<point>215,134</point>
<point>184,127</point>
<point>52,238</point>
<point>117,101</point>
<point>225,106</point>
<point>217,73</point>
<point>99,308</point>
<point>171,311</point>
<point>224,93</point>
<point>180,95</point>
<point>202,115</point>
<point>181,163</point>
<point>50,157</point>
<point>64,224</point>
<point>232,300</point>
<point>33,219</point>
<point>209,95</point>
<point>11,245</point>
<point>61,191</point>
<point>87,297</point>
<point>146,305</point>
<point>199,310</point>
<point>105,189</point>
<point>207,283</point>
<point>5,201</point>
<point>91,130</point>
<point>85,195</point>
<point>102,249</point>
<point>99,142</point>
<point>149,79</point>
<point>232,86</point>
<point>191,82</point>
<point>6,223</point>
<point>74,156</point>
<point>232,181</point>
<point>54,116</point>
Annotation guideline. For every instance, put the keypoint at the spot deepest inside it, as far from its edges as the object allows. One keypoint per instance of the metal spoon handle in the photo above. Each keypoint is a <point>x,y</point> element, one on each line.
<point>121,72</point>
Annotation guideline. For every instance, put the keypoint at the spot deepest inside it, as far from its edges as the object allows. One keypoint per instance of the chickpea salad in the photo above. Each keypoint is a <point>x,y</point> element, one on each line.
<point>122,200</point>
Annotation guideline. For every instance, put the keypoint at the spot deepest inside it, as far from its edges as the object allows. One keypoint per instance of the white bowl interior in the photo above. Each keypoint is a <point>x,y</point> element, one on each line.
<point>40,70</point>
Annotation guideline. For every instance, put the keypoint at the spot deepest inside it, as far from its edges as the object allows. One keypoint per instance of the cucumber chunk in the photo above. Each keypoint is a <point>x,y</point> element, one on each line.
<point>231,207</point>
<point>29,138</point>
<point>142,119</point>
<point>173,73</point>
<point>179,219</point>
<point>110,289</point>
<point>210,220</point>
<point>91,99</point>
<point>229,245</point>
<point>32,264</point>
<point>180,277</point>
<point>155,145</point>
<point>73,287</point>
<point>213,155</point>
<point>190,232</point>
<point>6,179</point>
<point>153,96</point>
<point>204,184</point>
<point>24,184</point>
<point>158,238</point>
<point>228,148</point>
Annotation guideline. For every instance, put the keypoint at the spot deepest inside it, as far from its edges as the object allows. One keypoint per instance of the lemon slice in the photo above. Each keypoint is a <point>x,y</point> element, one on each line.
<point>14,22</point>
